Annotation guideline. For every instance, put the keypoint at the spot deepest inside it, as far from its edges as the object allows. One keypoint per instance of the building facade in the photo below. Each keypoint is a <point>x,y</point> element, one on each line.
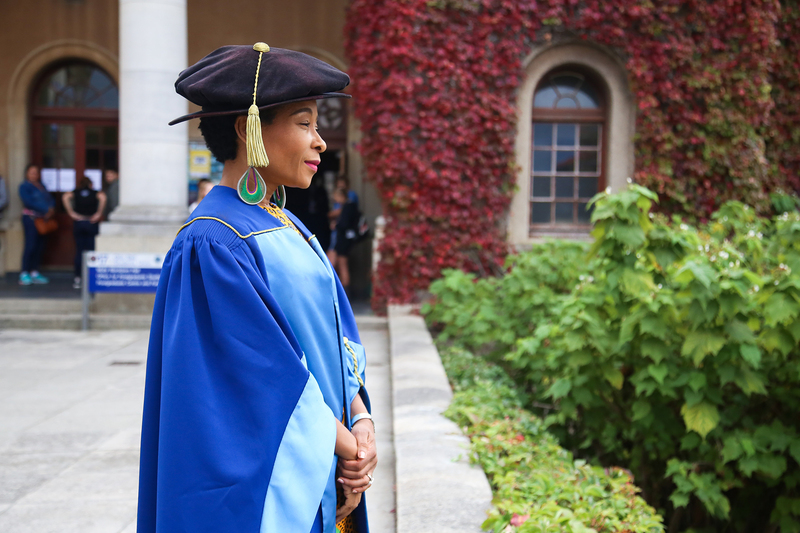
<point>489,125</point>
<point>88,86</point>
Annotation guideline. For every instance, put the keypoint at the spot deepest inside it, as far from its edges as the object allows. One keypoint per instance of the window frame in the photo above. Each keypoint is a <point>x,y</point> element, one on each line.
<point>567,116</point>
<point>99,113</point>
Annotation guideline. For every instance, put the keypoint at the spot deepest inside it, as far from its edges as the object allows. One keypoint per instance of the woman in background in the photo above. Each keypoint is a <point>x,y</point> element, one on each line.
<point>203,187</point>
<point>85,207</point>
<point>36,203</point>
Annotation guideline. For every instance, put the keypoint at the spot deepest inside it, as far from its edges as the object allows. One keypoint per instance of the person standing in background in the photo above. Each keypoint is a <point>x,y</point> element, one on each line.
<point>36,203</point>
<point>344,235</point>
<point>318,212</point>
<point>203,187</point>
<point>3,196</point>
<point>344,184</point>
<point>311,207</point>
<point>111,187</point>
<point>85,207</point>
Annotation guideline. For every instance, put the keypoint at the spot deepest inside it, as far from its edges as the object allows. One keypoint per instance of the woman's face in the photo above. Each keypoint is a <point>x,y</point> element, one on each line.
<point>293,145</point>
<point>33,174</point>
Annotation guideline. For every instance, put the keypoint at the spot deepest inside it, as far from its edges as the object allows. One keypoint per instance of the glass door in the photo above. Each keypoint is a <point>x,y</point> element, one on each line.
<point>74,115</point>
<point>66,152</point>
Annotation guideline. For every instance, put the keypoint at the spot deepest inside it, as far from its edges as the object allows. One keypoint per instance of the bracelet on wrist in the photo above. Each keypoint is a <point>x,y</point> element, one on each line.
<point>362,416</point>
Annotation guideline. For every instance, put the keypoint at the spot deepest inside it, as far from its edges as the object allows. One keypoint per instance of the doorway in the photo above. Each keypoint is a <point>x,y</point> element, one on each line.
<point>74,129</point>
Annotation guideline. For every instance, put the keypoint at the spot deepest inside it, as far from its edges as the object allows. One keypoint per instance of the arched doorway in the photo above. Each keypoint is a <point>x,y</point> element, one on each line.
<point>74,125</point>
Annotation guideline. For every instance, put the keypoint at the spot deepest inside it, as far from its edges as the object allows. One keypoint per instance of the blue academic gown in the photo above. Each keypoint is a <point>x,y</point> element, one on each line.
<point>253,352</point>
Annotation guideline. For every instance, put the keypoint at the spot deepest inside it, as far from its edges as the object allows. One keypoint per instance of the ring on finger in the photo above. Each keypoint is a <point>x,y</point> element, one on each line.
<point>371,479</point>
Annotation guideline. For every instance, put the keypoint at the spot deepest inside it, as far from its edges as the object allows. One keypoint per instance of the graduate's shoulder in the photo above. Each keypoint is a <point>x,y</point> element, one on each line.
<point>221,216</point>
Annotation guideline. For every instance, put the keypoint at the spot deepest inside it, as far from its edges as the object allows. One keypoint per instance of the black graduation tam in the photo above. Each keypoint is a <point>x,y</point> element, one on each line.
<point>222,82</point>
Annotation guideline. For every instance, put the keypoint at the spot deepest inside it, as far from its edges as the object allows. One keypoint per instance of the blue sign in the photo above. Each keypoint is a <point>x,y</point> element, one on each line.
<point>110,272</point>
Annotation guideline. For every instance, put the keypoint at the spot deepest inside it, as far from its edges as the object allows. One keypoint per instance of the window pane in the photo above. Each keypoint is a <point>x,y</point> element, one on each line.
<point>99,81</point>
<point>541,187</point>
<point>590,134</point>
<point>50,135</point>
<point>565,135</point>
<point>565,161</point>
<point>567,83</point>
<point>66,158</point>
<point>93,135</point>
<point>110,159</point>
<point>540,213</point>
<point>92,158</point>
<point>584,214</point>
<point>588,97</point>
<point>49,158</point>
<point>564,213</point>
<point>567,103</point>
<point>587,187</point>
<point>588,161</point>
<point>543,134</point>
<point>109,99</point>
<point>110,136</point>
<point>565,187</point>
<point>545,97</point>
<point>66,97</point>
<point>66,135</point>
<point>46,97</point>
<point>541,160</point>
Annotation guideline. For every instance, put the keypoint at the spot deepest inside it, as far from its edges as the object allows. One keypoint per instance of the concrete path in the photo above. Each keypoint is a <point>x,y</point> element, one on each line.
<point>70,416</point>
<point>438,491</point>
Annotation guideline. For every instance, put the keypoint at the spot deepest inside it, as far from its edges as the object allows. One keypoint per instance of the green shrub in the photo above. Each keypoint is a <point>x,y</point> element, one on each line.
<point>537,485</point>
<point>490,314</point>
<point>674,353</point>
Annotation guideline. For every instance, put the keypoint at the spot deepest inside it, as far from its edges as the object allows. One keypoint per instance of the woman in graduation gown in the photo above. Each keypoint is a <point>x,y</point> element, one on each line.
<point>255,411</point>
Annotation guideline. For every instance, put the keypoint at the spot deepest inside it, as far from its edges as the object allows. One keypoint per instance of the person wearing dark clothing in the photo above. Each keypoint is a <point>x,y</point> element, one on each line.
<point>318,206</point>
<point>311,207</point>
<point>345,233</point>
<point>3,196</point>
<point>36,203</point>
<point>86,207</point>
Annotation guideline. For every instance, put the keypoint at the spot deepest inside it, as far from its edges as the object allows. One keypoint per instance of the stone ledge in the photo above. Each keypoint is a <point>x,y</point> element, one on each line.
<point>72,321</point>
<point>438,491</point>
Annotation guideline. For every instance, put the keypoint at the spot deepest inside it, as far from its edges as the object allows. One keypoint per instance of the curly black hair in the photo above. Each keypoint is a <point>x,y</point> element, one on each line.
<point>219,133</point>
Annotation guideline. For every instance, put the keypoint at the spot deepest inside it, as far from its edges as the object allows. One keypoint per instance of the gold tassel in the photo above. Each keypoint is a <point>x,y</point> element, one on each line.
<point>256,154</point>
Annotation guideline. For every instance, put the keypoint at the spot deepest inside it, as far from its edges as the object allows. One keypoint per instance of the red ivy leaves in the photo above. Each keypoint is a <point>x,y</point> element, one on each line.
<point>716,86</point>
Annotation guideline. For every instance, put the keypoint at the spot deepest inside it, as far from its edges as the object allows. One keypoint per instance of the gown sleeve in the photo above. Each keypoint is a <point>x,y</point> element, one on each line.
<point>229,405</point>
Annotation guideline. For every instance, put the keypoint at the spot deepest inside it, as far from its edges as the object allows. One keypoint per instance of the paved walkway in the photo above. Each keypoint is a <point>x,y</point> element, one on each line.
<point>70,416</point>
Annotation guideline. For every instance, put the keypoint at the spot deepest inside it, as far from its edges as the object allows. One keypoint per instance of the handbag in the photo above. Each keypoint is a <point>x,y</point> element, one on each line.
<point>45,226</point>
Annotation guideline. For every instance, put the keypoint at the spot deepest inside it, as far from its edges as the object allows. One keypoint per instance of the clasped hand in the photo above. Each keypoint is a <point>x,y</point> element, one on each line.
<point>352,474</point>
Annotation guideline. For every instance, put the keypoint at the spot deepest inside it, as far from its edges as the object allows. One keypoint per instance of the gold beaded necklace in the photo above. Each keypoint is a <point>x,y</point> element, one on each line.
<point>278,213</point>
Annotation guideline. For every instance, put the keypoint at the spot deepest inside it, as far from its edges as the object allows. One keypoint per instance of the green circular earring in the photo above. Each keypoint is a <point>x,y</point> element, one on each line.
<point>251,187</point>
<point>279,196</point>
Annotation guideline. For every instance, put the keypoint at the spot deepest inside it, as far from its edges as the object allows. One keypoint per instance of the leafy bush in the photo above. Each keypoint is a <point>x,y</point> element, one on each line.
<point>535,281</point>
<point>675,353</point>
<point>538,487</point>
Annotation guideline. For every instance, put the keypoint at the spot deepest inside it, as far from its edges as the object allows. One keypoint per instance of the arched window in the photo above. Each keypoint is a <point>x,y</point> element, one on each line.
<point>75,109</point>
<point>567,151</point>
<point>77,85</point>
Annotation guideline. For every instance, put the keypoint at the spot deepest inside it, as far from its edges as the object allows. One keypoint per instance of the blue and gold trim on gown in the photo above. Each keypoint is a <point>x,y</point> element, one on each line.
<point>253,352</point>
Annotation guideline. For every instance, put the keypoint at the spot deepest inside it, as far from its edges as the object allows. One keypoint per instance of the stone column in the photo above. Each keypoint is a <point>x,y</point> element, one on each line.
<point>152,155</point>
